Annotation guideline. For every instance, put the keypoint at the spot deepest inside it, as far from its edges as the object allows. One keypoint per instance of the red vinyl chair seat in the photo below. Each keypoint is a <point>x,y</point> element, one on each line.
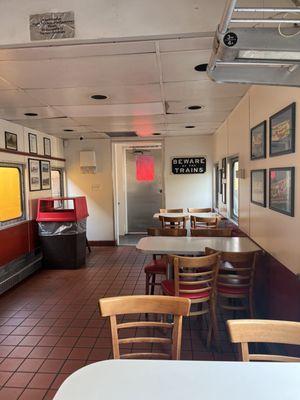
<point>168,289</point>
<point>232,290</point>
<point>156,267</point>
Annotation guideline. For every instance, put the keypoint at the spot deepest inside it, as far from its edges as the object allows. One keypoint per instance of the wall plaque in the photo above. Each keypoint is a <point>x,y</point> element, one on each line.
<point>188,165</point>
<point>52,25</point>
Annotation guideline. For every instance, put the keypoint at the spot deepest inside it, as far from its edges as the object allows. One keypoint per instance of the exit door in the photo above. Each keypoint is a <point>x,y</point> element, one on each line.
<point>144,188</point>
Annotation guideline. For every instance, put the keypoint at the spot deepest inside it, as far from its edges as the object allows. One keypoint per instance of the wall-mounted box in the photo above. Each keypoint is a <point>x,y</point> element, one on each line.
<point>88,162</point>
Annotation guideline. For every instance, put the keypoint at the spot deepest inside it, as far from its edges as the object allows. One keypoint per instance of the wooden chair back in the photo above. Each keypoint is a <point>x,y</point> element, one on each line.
<point>162,305</point>
<point>244,331</point>
<point>200,210</point>
<point>204,222</point>
<point>172,222</point>
<point>170,210</point>
<point>236,269</point>
<point>212,232</point>
<point>166,232</point>
<point>193,275</point>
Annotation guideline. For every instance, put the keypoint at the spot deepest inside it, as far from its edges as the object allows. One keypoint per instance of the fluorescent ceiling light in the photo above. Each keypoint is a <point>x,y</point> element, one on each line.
<point>269,55</point>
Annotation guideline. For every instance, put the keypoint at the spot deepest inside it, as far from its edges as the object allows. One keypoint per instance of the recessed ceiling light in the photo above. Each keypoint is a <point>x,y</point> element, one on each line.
<point>156,134</point>
<point>190,126</point>
<point>68,130</point>
<point>194,107</point>
<point>98,97</point>
<point>201,67</point>
<point>31,114</point>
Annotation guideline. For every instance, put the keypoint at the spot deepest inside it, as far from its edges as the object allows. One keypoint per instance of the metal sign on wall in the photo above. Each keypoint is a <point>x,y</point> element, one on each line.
<point>52,25</point>
<point>188,165</point>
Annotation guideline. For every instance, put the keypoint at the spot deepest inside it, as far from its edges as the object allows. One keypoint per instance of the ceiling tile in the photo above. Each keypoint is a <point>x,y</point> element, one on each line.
<point>18,113</point>
<point>207,104</point>
<point>17,98</point>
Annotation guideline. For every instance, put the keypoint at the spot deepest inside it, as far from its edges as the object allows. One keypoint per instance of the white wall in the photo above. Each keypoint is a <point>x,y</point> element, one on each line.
<point>193,190</point>
<point>97,187</point>
<point>276,233</point>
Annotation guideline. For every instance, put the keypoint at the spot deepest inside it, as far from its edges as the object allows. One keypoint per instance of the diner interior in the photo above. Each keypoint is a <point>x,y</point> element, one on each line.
<point>149,199</point>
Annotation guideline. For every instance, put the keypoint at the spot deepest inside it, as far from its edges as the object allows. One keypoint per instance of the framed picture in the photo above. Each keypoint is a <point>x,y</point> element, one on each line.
<point>258,187</point>
<point>45,175</point>
<point>34,174</point>
<point>47,147</point>
<point>258,141</point>
<point>224,193</point>
<point>32,143</point>
<point>11,141</point>
<point>282,131</point>
<point>224,168</point>
<point>281,190</point>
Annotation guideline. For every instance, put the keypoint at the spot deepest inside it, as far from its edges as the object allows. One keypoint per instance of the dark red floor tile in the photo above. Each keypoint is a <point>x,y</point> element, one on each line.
<point>6,330</point>
<point>5,350</point>
<point>49,395</point>
<point>51,366</point>
<point>14,321</point>
<point>33,394</point>
<point>40,352</point>
<point>11,364</point>
<point>79,353</point>
<point>71,366</point>
<point>22,330</point>
<point>10,393</point>
<point>4,377</point>
<point>19,379</point>
<point>85,342</point>
<point>67,341</point>
<point>30,365</point>
<point>60,353</point>
<point>20,352</point>
<point>12,340</point>
<point>39,330</point>
<point>41,381</point>
<point>59,380</point>
<point>49,341</point>
<point>30,340</point>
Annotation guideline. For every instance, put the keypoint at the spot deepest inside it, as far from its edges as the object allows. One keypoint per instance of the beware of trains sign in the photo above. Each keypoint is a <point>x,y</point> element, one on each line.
<point>188,165</point>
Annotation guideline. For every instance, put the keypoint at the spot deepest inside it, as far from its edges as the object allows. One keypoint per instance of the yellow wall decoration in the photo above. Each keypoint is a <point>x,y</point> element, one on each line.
<point>10,194</point>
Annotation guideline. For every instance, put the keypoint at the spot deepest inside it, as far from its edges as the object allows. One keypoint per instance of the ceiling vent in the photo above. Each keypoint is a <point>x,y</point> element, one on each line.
<point>121,134</point>
<point>267,53</point>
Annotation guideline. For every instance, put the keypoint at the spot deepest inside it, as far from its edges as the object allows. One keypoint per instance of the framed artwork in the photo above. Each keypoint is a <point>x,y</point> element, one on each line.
<point>282,131</point>
<point>47,147</point>
<point>282,190</point>
<point>11,141</point>
<point>258,141</point>
<point>258,187</point>
<point>32,143</point>
<point>45,175</point>
<point>34,174</point>
<point>224,193</point>
<point>224,168</point>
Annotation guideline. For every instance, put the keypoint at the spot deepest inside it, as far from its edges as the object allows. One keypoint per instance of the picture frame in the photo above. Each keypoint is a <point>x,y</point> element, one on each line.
<point>283,131</point>
<point>32,143</point>
<point>47,147</point>
<point>224,164</point>
<point>258,138</point>
<point>282,190</point>
<point>45,175</point>
<point>11,141</point>
<point>34,175</point>
<point>258,187</point>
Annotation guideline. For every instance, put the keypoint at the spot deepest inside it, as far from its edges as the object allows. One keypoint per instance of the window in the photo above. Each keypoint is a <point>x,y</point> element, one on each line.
<point>57,185</point>
<point>11,194</point>
<point>234,188</point>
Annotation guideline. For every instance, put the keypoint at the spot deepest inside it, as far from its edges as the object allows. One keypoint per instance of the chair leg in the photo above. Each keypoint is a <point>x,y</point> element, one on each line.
<point>153,284</point>
<point>147,284</point>
<point>251,306</point>
<point>88,245</point>
<point>213,325</point>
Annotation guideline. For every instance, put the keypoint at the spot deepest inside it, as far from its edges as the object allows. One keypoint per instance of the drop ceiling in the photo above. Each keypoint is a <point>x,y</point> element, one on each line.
<point>149,86</point>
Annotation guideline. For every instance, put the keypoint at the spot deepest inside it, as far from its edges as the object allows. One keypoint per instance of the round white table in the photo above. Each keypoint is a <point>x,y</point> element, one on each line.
<point>179,380</point>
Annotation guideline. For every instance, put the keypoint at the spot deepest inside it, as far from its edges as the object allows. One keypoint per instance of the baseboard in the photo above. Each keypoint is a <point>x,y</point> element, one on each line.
<point>100,243</point>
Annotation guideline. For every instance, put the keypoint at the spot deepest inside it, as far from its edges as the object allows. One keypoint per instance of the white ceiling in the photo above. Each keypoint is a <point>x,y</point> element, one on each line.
<point>149,86</point>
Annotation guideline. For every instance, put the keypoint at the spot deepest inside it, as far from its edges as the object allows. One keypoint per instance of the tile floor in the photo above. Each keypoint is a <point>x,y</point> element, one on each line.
<point>50,325</point>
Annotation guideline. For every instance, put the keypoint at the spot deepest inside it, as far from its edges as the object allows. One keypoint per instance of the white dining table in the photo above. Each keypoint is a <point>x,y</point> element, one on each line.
<point>194,245</point>
<point>178,380</point>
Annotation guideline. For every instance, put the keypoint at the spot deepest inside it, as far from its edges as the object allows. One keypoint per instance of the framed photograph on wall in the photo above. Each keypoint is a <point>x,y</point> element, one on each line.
<point>258,187</point>
<point>11,141</point>
<point>282,190</point>
<point>34,174</point>
<point>45,175</point>
<point>282,131</point>
<point>258,141</point>
<point>32,143</point>
<point>47,147</point>
<point>224,164</point>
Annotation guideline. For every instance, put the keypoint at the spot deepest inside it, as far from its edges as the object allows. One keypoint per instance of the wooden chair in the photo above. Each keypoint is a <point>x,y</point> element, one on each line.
<point>170,210</point>
<point>200,210</point>
<point>212,232</point>
<point>195,278</point>
<point>172,222</point>
<point>114,306</point>
<point>235,280</point>
<point>244,331</point>
<point>204,222</point>
<point>159,265</point>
